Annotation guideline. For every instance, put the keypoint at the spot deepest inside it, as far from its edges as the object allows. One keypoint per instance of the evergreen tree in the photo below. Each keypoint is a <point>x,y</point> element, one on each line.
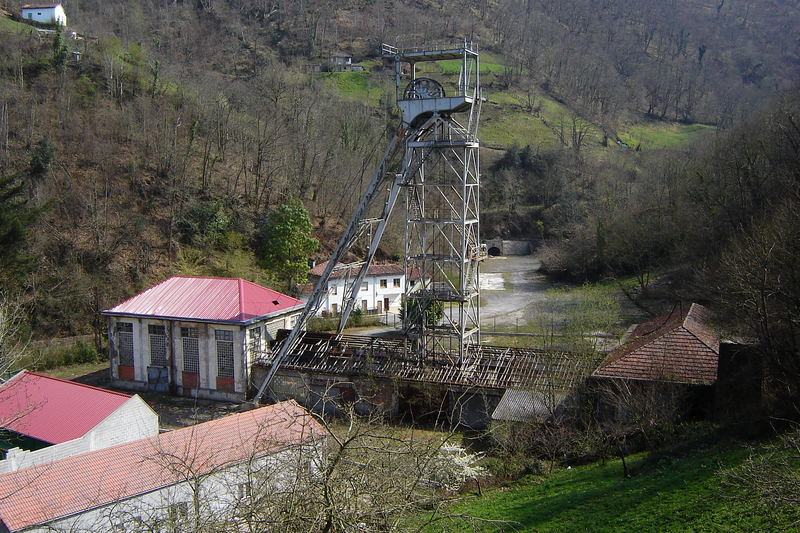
<point>285,242</point>
<point>15,217</point>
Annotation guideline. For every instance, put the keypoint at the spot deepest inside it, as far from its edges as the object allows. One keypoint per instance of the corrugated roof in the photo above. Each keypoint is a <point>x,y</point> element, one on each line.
<point>54,410</point>
<point>680,347</point>
<point>44,493</point>
<point>206,298</point>
<point>528,405</point>
<point>386,269</point>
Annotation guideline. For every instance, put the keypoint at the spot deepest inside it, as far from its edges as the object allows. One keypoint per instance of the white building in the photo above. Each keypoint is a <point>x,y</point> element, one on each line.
<point>171,481</point>
<point>380,292</point>
<point>196,336</point>
<point>45,13</point>
<point>45,418</point>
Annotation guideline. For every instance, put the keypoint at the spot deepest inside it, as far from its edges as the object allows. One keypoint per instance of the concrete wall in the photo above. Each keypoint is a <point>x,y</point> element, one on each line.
<point>507,247</point>
<point>386,397</point>
<point>133,420</point>
<point>216,495</point>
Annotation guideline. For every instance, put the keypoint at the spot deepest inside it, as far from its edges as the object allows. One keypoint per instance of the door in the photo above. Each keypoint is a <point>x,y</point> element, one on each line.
<point>157,378</point>
<point>364,305</point>
<point>386,304</point>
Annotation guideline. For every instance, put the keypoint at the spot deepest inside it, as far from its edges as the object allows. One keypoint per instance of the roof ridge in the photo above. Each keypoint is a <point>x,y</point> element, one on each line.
<point>690,330</point>
<point>240,289</point>
<point>76,383</point>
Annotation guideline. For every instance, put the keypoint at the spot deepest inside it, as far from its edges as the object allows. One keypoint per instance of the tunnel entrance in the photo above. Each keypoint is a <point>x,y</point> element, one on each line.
<point>494,251</point>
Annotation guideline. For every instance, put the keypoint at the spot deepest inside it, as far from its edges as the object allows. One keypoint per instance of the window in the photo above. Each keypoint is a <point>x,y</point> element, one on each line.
<point>333,288</point>
<point>255,339</point>
<point>125,343</point>
<point>158,345</point>
<point>243,490</point>
<point>176,514</point>
<point>384,283</point>
<point>364,286</point>
<point>191,350</point>
<point>224,353</point>
<point>396,282</point>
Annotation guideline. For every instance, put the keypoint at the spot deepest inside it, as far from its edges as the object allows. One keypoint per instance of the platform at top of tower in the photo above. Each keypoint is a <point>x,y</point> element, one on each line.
<point>418,55</point>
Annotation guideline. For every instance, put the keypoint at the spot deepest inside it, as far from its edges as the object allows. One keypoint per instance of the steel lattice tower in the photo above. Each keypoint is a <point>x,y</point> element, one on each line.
<point>442,233</point>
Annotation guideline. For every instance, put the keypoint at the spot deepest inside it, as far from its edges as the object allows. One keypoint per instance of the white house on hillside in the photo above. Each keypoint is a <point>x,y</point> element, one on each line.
<point>172,481</point>
<point>43,418</point>
<point>45,13</point>
<point>380,292</point>
<point>196,336</point>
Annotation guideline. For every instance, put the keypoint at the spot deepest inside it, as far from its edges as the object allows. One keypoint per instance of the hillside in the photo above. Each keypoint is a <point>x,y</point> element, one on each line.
<point>184,124</point>
<point>690,491</point>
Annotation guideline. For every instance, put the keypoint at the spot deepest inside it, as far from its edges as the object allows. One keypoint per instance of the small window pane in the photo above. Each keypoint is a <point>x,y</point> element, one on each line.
<point>191,350</point>
<point>224,353</point>
<point>125,343</point>
<point>158,345</point>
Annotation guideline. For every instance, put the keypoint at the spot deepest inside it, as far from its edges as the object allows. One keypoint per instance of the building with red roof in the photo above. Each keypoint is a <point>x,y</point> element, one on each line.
<point>196,336</point>
<point>667,368</point>
<point>161,482</point>
<point>679,347</point>
<point>45,418</point>
<point>381,290</point>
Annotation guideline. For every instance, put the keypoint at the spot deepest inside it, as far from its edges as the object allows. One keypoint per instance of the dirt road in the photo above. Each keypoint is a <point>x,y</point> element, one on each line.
<point>509,285</point>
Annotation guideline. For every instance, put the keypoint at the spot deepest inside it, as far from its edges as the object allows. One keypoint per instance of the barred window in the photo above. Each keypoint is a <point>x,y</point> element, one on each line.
<point>224,353</point>
<point>125,343</point>
<point>191,350</point>
<point>255,339</point>
<point>158,345</point>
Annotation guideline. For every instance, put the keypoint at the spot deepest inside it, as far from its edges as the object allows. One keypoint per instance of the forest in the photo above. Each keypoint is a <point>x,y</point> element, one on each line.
<point>161,140</point>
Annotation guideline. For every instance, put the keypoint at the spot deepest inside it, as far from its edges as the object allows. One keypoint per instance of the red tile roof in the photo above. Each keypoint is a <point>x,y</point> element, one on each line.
<point>679,347</point>
<point>386,269</point>
<point>44,493</point>
<point>54,410</point>
<point>206,299</point>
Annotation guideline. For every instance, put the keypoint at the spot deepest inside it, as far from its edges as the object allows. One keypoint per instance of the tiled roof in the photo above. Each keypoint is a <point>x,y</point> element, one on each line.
<point>44,493</point>
<point>54,410</point>
<point>205,298</point>
<point>679,347</point>
<point>386,269</point>
<point>40,6</point>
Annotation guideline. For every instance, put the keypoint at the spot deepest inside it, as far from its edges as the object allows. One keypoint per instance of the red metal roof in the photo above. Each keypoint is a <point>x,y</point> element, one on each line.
<point>680,347</point>
<point>40,494</point>
<point>204,298</point>
<point>54,410</point>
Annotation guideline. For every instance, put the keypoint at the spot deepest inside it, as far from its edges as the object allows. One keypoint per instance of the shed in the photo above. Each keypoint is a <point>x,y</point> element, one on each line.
<point>45,13</point>
<point>153,484</point>
<point>45,418</point>
<point>196,336</point>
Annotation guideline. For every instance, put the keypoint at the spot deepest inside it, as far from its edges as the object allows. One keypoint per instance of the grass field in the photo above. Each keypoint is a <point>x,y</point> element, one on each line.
<point>687,494</point>
<point>356,86</point>
<point>8,25</point>
<point>655,135</point>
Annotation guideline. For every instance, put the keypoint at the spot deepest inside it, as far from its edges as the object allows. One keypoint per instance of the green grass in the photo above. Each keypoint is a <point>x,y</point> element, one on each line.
<point>355,86</point>
<point>655,135</point>
<point>677,495</point>
<point>7,25</point>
